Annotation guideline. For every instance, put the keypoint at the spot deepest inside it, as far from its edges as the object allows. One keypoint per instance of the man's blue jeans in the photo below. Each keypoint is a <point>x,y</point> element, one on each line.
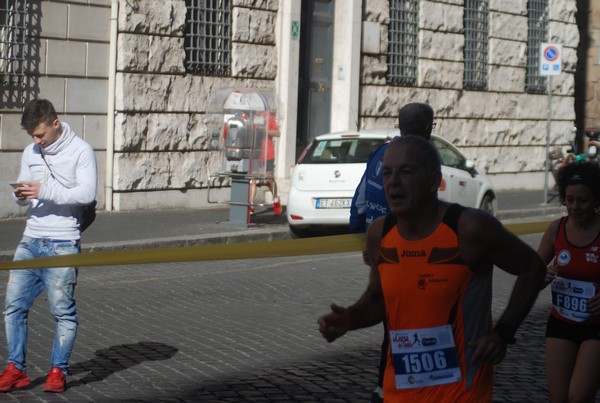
<point>25,285</point>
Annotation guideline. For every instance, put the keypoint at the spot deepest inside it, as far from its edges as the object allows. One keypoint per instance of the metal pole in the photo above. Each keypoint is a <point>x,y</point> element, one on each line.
<point>548,129</point>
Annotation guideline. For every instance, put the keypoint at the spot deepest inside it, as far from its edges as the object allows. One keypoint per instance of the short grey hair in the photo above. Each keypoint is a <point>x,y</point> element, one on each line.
<point>425,148</point>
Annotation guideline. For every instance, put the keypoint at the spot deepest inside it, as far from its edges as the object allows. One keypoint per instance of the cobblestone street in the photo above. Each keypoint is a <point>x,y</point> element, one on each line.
<point>237,331</point>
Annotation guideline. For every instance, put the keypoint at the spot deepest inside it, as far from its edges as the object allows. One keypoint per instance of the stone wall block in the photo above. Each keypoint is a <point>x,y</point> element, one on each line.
<point>141,171</point>
<point>172,132</point>
<point>569,60</point>
<point>564,33</point>
<point>440,74</point>
<point>54,24</point>
<point>167,170</point>
<point>254,26</point>
<point>142,92</point>
<point>560,10</point>
<point>441,17</point>
<point>133,51</point>
<point>479,104</point>
<point>153,17</point>
<point>376,123</point>
<point>97,59</point>
<point>453,2</point>
<point>492,159</point>
<point>507,53</point>
<point>384,38</point>
<point>167,132</point>
<point>167,55</point>
<point>525,106</point>
<point>180,95</point>
<point>257,61</point>
<point>441,46</point>
<point>563,84</point>
<point>66,58</point>
<point>377,11</point>
<point>563,108</point>
<point>384,102</point>
<point>506,79</point>
<point>259,4</point>
<point>88,23</point>
<point>130,132</point>
<point>507,26</point>
<point>374,69</point>
<point>509,6</point>
<point>444,103</point>
<point>160,132</point>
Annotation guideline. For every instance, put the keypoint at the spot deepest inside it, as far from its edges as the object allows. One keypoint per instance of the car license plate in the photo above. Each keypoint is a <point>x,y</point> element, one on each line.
<point>333,203</point>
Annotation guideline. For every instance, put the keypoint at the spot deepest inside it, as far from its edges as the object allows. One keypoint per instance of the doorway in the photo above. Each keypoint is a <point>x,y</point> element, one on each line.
<point>315,72</point>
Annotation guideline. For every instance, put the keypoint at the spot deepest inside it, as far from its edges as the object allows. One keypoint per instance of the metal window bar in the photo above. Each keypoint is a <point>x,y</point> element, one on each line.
<point>403,42</point>
<point>208,37</point>
<point>13,28</point>
<point>476,17</point>
<point>537,32</point>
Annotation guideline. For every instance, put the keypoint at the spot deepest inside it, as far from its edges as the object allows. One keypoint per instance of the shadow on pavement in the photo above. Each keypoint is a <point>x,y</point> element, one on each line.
<point>118,358</point>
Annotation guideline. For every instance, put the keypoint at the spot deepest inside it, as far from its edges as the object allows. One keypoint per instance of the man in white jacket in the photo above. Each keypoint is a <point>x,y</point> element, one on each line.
<point>58,177</point>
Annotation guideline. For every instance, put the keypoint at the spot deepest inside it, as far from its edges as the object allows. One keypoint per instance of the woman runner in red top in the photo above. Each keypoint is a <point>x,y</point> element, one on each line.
<point>571,247</point>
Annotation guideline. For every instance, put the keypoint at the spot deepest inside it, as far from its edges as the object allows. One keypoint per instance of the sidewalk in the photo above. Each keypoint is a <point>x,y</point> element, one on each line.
<point>169,228</point>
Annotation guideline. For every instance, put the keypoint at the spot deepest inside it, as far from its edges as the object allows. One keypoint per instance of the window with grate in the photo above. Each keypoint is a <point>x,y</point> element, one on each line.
<point>403,42</point>
<point>13,26</point>
<point>208,37</point>
<point>537,32</point>
<point>476,17</point>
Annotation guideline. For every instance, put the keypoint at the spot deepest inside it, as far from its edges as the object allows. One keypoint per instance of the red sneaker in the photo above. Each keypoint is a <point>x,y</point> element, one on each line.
<point>276,206</point>
<point>13,378</point>
<point>56,381</point>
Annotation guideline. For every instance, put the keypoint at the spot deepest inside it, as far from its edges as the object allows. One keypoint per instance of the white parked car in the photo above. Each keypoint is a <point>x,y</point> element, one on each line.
<point>329,170</point>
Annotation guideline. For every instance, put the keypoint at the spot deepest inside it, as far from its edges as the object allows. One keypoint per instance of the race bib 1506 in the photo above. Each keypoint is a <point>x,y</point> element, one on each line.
<point>424,357</point>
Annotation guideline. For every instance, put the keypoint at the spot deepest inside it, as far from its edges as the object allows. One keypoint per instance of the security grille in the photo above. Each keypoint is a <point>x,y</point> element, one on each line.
<point>403,42</point>
<point>537,32</point>
<point>208,37</point>
<point>476,44</point>
<point>13,27</point>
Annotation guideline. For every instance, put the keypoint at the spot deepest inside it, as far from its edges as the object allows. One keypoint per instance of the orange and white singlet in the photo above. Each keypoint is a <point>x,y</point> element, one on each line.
<point>435,305</point>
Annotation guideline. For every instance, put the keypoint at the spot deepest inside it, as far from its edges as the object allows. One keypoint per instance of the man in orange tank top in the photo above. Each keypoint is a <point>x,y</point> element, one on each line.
<point>431,278</point>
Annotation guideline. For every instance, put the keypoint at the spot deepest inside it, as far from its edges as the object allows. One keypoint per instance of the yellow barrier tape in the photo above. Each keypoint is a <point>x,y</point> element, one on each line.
<point>252,250</point>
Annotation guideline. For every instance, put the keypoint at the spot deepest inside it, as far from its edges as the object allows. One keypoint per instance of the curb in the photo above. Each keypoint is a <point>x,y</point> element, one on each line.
<point>263,234</point>
<point>531,214</point>
<point>266,233</point>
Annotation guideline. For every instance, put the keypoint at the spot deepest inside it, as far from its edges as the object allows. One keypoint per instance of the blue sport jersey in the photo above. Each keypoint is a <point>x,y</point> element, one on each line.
<point>369,200</point>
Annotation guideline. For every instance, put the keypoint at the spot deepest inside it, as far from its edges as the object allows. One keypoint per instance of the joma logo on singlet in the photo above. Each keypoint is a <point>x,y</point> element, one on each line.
<point>413,253</point>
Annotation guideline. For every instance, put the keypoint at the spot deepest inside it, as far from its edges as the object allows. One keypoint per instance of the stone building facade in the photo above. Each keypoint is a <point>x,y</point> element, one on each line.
<point>591,52</point>
<point>116,70</point>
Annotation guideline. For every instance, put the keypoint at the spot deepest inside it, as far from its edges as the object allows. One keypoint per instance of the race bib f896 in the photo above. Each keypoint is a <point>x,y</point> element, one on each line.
<point>424,357</point>
<point>570,297</point>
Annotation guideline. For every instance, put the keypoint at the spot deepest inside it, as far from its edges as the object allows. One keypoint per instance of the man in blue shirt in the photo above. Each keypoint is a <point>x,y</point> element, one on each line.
<point>369,200</point>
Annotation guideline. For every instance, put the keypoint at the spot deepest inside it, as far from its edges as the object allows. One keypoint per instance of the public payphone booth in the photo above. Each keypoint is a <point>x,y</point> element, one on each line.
<point>239,120</point>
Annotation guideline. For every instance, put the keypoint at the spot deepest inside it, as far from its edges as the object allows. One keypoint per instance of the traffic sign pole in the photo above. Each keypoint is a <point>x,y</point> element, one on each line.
<point>548,131</point>
<point>550,65</point>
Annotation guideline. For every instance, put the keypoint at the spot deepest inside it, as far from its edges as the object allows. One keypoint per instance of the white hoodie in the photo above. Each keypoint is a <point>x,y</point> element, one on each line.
<point>73,165</point>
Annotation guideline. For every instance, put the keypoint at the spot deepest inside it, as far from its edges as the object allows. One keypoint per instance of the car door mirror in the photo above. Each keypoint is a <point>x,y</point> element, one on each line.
<point>470,167</point>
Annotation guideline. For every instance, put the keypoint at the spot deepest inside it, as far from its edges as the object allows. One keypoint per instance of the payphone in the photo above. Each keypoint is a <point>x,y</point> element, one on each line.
<point>240,119</point>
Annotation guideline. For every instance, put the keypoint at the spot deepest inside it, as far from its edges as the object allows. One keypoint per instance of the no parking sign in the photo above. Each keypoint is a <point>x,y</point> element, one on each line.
<point>550,59</point>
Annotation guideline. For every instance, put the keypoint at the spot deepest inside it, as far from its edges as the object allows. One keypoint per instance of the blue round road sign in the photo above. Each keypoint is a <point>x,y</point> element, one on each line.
<point>551,53</point>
